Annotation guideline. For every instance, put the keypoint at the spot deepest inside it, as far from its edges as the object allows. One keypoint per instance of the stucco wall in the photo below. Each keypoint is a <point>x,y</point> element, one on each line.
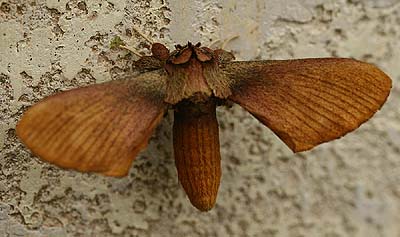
<point>349,187</point>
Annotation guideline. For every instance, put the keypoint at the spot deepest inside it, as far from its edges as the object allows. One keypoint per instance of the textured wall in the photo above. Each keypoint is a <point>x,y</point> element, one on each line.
<point>349,187</point>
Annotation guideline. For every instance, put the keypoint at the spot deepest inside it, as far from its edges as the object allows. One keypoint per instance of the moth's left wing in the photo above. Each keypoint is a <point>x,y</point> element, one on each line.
<point>98,128</point>
<point>310,101</point>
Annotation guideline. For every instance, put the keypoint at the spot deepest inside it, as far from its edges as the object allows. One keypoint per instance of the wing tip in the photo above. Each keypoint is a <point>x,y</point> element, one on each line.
<point>19,130</point>
<point>22,130</point>
<point>384,80</point>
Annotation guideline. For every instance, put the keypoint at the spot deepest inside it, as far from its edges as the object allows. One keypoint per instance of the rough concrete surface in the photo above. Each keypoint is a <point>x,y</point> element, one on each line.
<point>348,187</point>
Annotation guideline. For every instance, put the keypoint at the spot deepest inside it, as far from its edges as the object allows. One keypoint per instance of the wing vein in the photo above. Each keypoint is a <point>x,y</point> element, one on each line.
<point>338,98</point>
<point>65,124</point>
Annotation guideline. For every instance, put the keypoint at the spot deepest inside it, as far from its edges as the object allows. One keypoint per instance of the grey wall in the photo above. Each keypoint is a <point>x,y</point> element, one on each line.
<point>349,187</point>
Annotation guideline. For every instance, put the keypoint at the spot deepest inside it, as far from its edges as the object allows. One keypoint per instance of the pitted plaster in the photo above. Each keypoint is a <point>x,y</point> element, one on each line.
<point>348,187</point>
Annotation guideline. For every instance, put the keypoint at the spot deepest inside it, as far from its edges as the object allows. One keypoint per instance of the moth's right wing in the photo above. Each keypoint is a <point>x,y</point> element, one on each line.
<point>99,128</point>
<point>308,101</point>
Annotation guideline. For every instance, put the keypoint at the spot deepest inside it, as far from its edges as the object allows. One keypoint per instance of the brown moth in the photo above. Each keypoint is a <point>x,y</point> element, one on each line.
<point>101,128</point>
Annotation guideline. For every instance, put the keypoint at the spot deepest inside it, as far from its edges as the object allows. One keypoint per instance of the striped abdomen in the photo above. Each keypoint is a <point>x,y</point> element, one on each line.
<point>197,157</point>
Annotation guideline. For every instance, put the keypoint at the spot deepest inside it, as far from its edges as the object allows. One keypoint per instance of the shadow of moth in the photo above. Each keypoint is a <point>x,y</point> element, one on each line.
<point>101,128</point>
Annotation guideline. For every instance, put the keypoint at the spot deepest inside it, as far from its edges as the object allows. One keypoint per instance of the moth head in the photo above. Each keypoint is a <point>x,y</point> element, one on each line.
<point>182,54</point>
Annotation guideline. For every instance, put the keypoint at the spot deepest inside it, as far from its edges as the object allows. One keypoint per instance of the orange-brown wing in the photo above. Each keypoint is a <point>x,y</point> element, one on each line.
<point>309,101</point>
<point>98,128</point>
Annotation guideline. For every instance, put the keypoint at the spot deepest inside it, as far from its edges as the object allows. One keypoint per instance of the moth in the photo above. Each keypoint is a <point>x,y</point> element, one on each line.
<point>102,128</point>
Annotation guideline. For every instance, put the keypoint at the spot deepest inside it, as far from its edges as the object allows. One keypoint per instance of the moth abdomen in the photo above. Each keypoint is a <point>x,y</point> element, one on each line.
<point>197,156</point>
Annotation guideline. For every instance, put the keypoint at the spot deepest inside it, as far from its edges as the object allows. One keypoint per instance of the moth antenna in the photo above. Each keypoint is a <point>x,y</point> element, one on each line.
<point>223,43</point>
<point>227,41</point>
<point>143,35</point>
<point>254,29</point>
<point>132,50</point>
<point>213,43</point>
